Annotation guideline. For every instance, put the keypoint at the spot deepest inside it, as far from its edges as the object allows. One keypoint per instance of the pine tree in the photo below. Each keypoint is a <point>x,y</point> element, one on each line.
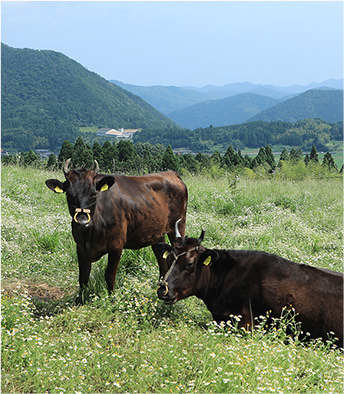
<point>259,159</point>
<point>295,155</point>
<point>126,151</point>
<point>169,160</point>
<point>98,154</point>
<point>203,160</point>
<point>82,155</point>
<point>329,162</point>
<point>314,155</point>
<point>284,155</point>
<point>270,158</point>
<point>127,156</point>
<point>229,160</point>
<point>30,158</point>
<point>216,158</point>
<point>65,152</point>
<point>108,157</point>
<point>51,163</point>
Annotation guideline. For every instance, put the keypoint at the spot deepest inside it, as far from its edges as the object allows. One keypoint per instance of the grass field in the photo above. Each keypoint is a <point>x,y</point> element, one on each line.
<point>132,342</point>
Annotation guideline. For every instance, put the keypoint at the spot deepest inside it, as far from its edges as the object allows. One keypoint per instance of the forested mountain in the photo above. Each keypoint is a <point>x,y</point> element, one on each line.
<point>165,99</point>
<point>47,96</point>
<point>303,133</point>
<point>238,103</point>
<point>224,112</point>
<point>316,103</point>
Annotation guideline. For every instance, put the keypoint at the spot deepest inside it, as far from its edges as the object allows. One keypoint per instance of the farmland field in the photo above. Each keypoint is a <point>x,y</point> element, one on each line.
<point>131,341</point>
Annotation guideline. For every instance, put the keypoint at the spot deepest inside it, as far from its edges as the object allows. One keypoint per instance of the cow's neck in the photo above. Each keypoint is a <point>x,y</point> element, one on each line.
<point>210,285</point>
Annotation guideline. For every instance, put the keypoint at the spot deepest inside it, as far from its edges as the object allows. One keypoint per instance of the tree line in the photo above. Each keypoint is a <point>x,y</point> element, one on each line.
<point>128,158</point>
<point>304,133</point>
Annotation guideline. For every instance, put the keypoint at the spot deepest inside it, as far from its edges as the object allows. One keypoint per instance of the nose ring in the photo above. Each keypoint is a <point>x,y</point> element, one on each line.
<point>79,210</point>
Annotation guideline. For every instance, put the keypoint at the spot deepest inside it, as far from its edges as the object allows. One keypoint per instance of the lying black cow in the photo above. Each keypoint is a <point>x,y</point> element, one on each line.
<point>114,212</point>
<point>250,283</point>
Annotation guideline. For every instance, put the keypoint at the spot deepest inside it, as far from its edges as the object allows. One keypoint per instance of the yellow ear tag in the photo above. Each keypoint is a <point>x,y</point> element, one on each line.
<point>166,254</point>
<point>104,187</point>
<point>58,189</point>
<point>207,261</point>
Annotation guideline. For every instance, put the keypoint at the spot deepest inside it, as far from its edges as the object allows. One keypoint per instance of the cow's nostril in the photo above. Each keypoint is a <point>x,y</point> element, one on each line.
<point>162,290</point>
<point>82,218</point>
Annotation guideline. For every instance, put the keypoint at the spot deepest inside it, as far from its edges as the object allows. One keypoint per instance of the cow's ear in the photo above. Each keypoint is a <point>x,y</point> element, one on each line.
<point>105,183</point>
<point>208,257</point>
<point>57,186</point>
<point>162,249</point>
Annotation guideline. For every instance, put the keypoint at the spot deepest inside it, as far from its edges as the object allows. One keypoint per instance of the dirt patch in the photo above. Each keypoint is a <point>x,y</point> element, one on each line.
<point>38,290</point>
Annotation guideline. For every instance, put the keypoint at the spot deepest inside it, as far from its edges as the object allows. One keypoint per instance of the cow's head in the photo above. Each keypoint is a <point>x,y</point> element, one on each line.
<point>82,187</point>
<point>186,259</point>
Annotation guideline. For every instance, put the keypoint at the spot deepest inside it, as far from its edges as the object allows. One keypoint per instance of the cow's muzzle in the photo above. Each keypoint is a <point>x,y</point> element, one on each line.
<point>164,293</point>
<point>82,216</point>
<point>163,287</point>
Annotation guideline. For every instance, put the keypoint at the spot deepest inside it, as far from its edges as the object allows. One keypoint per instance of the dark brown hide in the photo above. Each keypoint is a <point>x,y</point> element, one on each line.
<point>112,213</point>
<point>251,283</point>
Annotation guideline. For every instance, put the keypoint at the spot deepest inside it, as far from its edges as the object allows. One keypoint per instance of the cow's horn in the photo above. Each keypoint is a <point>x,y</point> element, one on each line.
<point>96,166</point>
<point>201,237</point>
<point>66,166</point>
<point>177,230</point>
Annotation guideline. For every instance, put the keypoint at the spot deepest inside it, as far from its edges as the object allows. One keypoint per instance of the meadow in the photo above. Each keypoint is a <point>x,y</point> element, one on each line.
<point>131,341</point>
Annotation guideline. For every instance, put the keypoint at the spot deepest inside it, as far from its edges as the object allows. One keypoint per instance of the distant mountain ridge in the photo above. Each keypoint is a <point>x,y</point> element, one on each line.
<point>280,91</point>
<point>323,104</point>
<point>168,99</point>
<point>165,98</point>
<point>47,96</point>
<point>228,111</point>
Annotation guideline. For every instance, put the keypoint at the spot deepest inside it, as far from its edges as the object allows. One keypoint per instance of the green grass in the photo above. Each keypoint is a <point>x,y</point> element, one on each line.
<point>88,129</point>
<point>131,341</point>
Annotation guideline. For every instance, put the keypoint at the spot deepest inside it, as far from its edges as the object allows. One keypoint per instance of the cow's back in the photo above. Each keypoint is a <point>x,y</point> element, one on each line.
<point>144,208</point>
<point>269,283</point>
<point>315,294</point>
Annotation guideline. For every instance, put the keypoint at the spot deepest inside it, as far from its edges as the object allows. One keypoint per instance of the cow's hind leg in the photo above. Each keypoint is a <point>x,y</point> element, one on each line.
<point>157,249</point>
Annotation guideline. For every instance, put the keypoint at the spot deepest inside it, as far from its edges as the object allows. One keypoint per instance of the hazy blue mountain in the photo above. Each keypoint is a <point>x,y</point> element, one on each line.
<point>168,99</point>
<point>47,96</point>
<point>315,103</point>
<point>268,90</point>
<point>228,111</point>
<point>165,99</point>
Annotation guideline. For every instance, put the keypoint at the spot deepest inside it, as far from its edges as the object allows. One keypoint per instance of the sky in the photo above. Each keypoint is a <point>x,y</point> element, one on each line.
<point>187,43</point>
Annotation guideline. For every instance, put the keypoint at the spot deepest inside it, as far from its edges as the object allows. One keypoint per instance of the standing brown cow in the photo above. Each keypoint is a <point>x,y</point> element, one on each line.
<point>250,283</point>
<point>114,212</point>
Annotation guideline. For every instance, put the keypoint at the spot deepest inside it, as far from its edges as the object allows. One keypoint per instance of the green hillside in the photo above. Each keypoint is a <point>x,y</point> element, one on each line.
<point>47,96</point>
<point>316,103</point>
<point>227,111</point>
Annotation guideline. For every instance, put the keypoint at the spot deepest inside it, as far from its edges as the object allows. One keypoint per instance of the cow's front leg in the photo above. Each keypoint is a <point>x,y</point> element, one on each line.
<point>84,268</point>
<point>111,269</point>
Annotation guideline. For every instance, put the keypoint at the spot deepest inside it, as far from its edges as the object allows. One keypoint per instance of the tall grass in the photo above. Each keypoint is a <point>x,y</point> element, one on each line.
<point>132,342</point>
